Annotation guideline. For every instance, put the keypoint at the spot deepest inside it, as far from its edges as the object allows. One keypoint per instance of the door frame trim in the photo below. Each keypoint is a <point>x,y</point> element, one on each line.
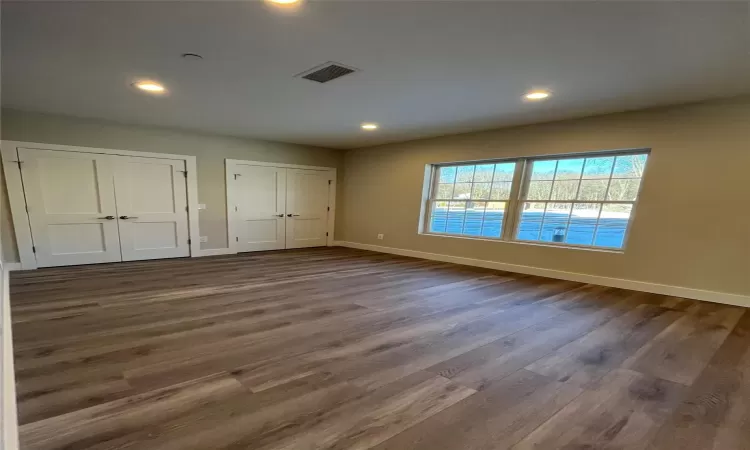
<point>17,200</point>
<point>229,163</point>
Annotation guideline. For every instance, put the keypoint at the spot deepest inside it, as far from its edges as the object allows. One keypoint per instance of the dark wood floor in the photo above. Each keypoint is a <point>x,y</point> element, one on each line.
<point>345,349</point>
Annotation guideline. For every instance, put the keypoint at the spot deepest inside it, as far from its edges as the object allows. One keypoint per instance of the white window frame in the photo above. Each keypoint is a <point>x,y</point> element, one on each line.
<point>519,187</point>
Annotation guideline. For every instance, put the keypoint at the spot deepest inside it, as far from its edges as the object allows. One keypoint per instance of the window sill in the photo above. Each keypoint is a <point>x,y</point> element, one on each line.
<point>530,243</point>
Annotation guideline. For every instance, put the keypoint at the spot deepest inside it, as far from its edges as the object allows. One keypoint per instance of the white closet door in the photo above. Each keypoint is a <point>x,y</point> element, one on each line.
<point>71,204</point>
<point>259,195</point>
<point>151,208</point>
<point>307,208</point>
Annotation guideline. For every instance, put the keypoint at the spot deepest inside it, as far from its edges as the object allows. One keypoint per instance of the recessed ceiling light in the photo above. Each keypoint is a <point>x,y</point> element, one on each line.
<point>537,95</point>
<point>283,2</point>
<point>150,86</point>
<point>369,126</point>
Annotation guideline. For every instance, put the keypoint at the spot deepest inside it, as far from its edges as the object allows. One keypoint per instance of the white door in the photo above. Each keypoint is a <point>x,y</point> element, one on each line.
<point>259,196</point>
<point>71,203</point>
<point>307,208</point>
<point>152,213</point>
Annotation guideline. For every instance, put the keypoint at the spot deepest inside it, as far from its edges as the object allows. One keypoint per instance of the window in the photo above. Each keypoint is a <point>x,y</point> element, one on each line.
<point>583,200</point>
<point>471,200</point>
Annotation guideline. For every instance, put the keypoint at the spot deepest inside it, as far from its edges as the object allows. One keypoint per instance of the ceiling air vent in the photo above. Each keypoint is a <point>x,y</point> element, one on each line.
<point>326,72</point>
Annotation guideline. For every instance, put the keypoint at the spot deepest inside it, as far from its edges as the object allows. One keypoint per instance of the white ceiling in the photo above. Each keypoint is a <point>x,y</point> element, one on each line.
<point>428,68</point>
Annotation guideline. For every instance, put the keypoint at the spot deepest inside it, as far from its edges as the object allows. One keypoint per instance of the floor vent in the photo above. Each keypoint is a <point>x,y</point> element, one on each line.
<point>326,72</point>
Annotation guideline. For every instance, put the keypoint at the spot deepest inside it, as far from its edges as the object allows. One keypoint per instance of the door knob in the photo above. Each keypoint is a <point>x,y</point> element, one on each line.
<point>279,215</point>
<point>107,217</point>
<point>127,217</point>
<point>292,215</point>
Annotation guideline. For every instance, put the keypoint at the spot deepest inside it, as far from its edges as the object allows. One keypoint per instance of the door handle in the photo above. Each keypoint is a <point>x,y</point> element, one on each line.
<point>127,217</point>
<point>279,215</point>
<point>107,218</point>
<point>292,215</point>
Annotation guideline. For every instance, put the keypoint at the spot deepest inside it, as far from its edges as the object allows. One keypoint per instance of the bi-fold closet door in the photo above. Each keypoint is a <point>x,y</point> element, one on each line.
<point>87,208</point>
<point>274,208</point>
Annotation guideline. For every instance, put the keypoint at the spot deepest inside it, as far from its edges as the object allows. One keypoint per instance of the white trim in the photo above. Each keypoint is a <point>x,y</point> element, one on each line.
<point>11,266</point>
<point>18,202</point>
<point>655,288</point>
<point>243,162</point>
<point>104,151</point>
<point>8,415</point>
<point>229,177</point>
<point>216,252</point>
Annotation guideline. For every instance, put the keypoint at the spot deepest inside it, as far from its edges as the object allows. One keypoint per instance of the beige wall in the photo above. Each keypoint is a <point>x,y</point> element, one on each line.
<point>692,224</point>
<point>210,152</point>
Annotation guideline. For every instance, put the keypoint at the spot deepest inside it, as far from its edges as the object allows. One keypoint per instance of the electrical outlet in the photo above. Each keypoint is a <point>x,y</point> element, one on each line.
<point>204,238</point>
<point>381,236</point>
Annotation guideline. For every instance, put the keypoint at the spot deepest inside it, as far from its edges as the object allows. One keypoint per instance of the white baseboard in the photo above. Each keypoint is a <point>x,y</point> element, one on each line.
<point>216,252</point>
<point>11,266</point>
<point>655,288</point>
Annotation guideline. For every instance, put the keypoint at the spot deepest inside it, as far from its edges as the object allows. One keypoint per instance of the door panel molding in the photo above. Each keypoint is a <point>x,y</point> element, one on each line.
<point>151,226</point>
<point>232,165</point>
<point>71,224</point>
<point>14,183</point>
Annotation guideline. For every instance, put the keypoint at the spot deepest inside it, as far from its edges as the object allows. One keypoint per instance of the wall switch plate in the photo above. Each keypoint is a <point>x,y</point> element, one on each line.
<point>381,236</point>
<point>204,238</point>
<point>201,206</point>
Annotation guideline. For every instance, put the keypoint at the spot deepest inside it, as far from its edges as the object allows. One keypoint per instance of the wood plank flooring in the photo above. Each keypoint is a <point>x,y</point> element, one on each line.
<point>344,349</point>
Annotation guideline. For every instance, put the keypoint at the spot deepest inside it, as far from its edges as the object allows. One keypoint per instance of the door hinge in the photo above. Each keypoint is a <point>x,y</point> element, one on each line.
<point>187,208</point>
<point>326,234</point>
<point>237,175</point>
<point>17,162</point>
<point>190,241</point>
<point>184,172</point>
<point>329,208</point>
<point>329,181</point>
<point>33,248</point>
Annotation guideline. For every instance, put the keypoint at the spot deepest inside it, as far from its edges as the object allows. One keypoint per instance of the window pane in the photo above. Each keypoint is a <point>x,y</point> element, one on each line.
<point>438,217</point>
<point>531,221</point>
<point>447,174</point>
<point>474,216</point>
<point>569,169</point>
<point>629,166</point>
<point>493,219</point>
<point>480,191</point>
<point>565,190</point>
<point>539,190</point>
<point>456,213</point>
<point>555,222</point>
<point>583,223</point>
<point>543,170</point>
<point>613,223</point>
<point>592,190</point>
<point>501,190</point>
<point>465,174</point>
<point>483,173</point>
<point>598,167</point>
<point>623,190</point>
<point>444,191</point>
<point>505,171</point>
<point>462,191</point>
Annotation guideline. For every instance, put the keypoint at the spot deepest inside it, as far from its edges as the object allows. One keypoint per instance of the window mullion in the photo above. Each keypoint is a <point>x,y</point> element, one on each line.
<point>510,219</point>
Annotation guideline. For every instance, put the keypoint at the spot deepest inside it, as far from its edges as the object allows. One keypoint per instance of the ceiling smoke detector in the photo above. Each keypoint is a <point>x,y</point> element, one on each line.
<point>326,72</point>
